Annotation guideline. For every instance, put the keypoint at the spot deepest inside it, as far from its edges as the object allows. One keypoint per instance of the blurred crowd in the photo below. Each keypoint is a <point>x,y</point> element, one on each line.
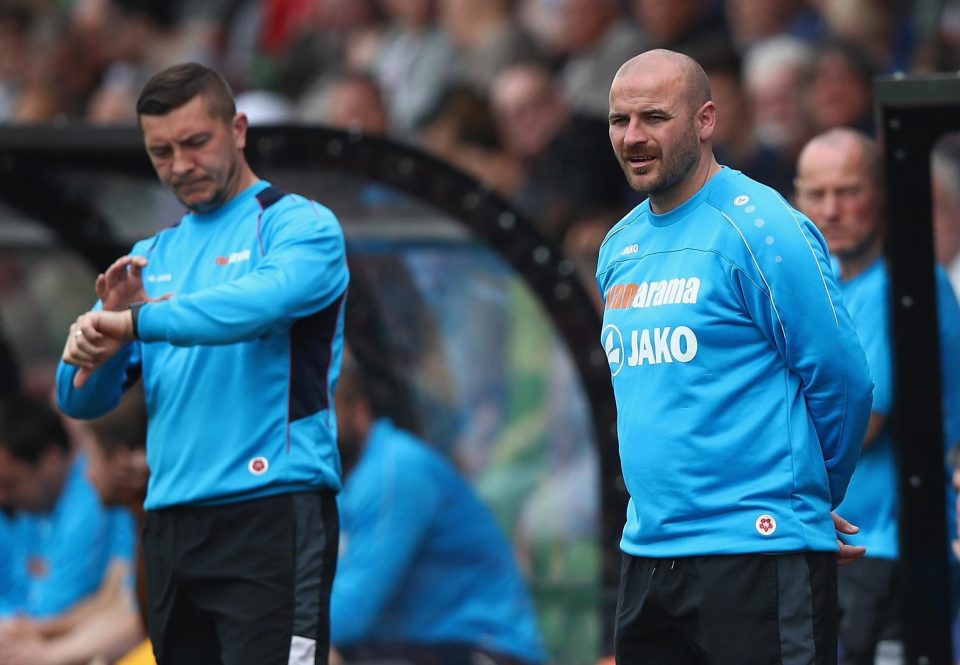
<point>512,91</point>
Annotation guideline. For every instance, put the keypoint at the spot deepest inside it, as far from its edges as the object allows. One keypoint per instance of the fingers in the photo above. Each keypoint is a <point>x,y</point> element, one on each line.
<point>843,526</point>
<point>80,378</point>
<point>849,553</point>
<point>121,280</point>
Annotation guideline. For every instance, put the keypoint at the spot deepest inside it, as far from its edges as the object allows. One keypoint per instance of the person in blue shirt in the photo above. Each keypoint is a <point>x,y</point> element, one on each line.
<point>234,319</point>
<point>425,575</point>
<point>742,393</point>
<point>839,186</point>
<point>61,538</point>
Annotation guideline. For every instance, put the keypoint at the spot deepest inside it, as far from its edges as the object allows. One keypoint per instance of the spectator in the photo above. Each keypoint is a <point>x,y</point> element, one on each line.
<point>411,61</point>
<point>486,40</point>
<point>775,74</point>
<point>565,156</point>
<point>64,540</point>
<point>686,26</point>
<point>425,574</point>
<point>839,186</point>
<point>736,143</point>
<point>106,624</point>
<point>753,21</point>
<point>461,130</point>
<point>882,30</point>
<point>596,39</point>
<point>840,92</point>
<point>350,101</point>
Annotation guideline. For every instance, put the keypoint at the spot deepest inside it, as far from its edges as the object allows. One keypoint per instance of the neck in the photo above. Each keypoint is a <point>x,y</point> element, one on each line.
<point>685,190</point>
<point>855,263</point>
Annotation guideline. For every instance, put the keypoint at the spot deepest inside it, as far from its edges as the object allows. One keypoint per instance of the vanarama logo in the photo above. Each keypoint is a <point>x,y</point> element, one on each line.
<point>648,346</point>
<point>676,291</point>
<point>235,257</point>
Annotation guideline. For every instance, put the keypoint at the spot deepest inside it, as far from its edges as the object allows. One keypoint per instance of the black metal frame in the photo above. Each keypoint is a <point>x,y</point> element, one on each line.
<point>26,152</point>
<point>912,113</point>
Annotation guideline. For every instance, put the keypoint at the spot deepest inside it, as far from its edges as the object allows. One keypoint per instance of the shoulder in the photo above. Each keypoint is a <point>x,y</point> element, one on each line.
<point>761,219</point>
<point>289,205</point>
<point>609,246</point>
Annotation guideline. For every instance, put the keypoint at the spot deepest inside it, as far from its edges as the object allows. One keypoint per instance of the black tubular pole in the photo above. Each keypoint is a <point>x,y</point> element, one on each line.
<point>913,112</point>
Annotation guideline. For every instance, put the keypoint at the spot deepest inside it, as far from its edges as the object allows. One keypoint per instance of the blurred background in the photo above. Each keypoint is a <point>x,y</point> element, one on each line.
<point>511,94</point>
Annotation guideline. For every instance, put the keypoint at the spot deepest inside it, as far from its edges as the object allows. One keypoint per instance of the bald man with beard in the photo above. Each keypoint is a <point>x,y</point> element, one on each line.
<point>743,394</point>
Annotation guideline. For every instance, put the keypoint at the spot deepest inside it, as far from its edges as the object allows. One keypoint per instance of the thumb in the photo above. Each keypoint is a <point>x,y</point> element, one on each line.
<point>80,378</point>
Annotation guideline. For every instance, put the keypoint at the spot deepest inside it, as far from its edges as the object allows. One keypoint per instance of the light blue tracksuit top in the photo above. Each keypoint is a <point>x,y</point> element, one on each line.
<point>742,391</point>
<point>239,366</point>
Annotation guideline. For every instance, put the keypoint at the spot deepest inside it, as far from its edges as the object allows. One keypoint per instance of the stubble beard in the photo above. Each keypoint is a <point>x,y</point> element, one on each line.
<point>675,169</point>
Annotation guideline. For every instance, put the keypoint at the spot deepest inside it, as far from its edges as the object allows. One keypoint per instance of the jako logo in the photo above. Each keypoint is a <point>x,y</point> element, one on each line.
<point>235,257</point>
<point>648,347</point>
<point>613,346</point>
<point>630,249</point>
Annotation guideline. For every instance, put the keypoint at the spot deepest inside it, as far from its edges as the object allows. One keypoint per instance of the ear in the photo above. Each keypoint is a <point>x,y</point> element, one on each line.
<point>240,125</point>
<point>707,120</point>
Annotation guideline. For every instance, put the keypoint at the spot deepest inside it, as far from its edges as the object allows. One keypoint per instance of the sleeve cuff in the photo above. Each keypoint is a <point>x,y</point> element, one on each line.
<point>135,317</point>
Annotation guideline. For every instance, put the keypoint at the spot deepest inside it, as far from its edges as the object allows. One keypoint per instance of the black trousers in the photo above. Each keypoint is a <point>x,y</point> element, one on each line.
<point>869,608</point>
<point>755,609</point>
<point>242,584</point>
<point>446,653</point>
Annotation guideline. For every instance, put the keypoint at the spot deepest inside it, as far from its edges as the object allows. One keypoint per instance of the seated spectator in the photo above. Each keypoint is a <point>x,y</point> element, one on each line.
<point>775,73</point>
<point>596,39</point>
<point>411,61</point>
<point>566,160</point>
<point>425,574</point>
<point>64,543</point>
<point>486,40</point>
<point>840,92</point>
<point>461,130</point>
<point>735,140</point>
<point>107,624</point>
<point>351,101</point>
<point>753,21</point>
<point>686,26</point>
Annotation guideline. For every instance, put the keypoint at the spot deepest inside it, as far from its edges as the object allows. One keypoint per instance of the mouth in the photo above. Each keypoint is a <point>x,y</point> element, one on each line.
<point>189,184</point>
<point>638,161</point>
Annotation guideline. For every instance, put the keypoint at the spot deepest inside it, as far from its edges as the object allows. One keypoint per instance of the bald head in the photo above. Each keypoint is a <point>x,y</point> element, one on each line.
<point>855,144</point>
<point>839,188</point>
<point>661,126</point>
<point>681,68</point>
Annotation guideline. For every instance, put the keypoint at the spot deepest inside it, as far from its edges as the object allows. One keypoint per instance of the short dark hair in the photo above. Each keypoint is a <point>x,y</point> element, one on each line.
<point>175,86</point>
<point>125,427</point>
<point>28,426</point>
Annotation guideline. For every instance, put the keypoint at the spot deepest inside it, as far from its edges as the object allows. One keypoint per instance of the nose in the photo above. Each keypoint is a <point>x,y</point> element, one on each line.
<point>636,133</point>
<point>831,206</point>
<point>181,162</point>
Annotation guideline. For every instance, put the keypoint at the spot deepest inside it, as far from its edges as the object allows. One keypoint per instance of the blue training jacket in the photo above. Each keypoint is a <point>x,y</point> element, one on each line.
<point>422,560</point>
<point>742,391</point>
<point>873,498</point>
<point>239,366</point>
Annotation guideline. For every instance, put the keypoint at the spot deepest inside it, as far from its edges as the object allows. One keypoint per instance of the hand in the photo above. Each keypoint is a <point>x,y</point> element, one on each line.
<point>848,553</point>
<point>24,650</point>
<point>122,284</point>
<point>94,338</point>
